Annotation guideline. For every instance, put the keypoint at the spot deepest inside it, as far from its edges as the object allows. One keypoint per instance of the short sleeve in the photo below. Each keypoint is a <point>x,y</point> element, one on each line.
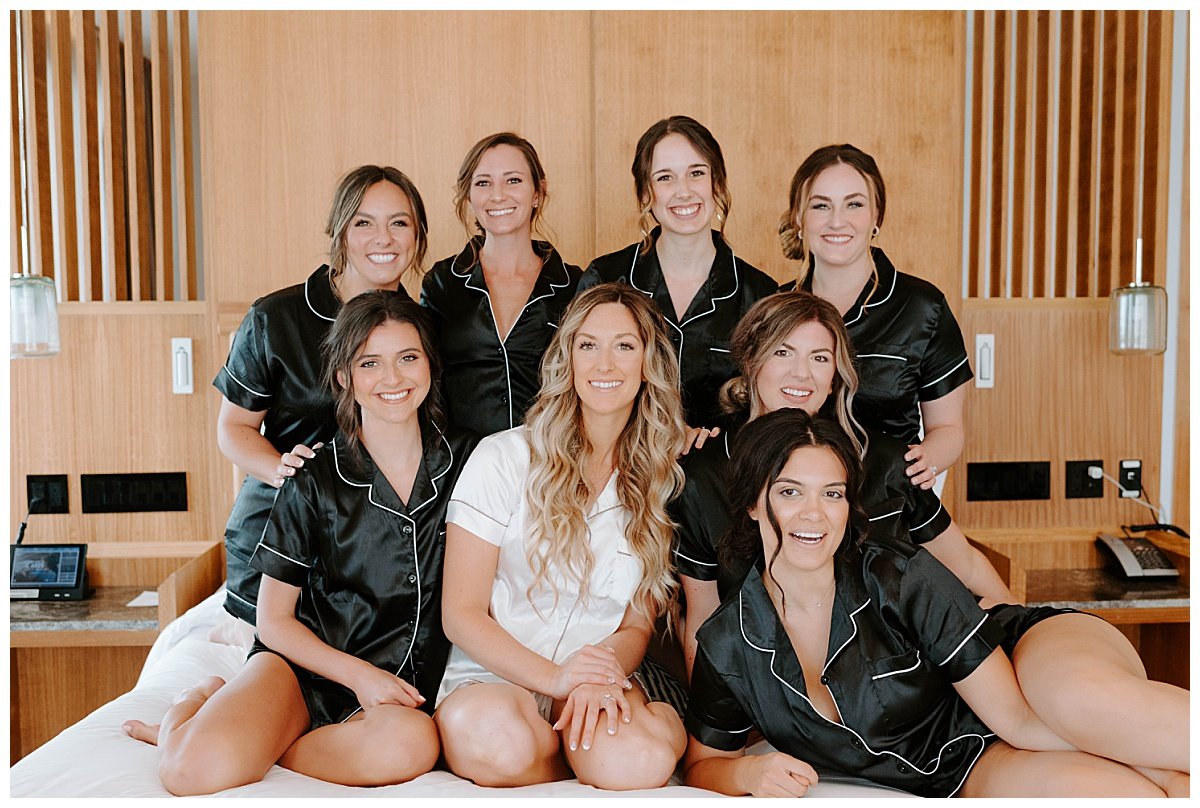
<point>952,631</point>
<point>488,492</point>
<point>925,515</point>
<point>245,379</point>
<point>286,551</point>
<point>695,547</point>
<point>715,717</point>
<point>944,367</point>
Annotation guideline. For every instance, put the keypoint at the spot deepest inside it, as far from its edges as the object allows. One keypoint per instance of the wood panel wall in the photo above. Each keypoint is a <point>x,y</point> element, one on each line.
<point>290,101</point>
<point>104,405</point>
<point>1059,395</point>
<point>108,137</point>
<point>582,87</point>
<point>1070,134</point>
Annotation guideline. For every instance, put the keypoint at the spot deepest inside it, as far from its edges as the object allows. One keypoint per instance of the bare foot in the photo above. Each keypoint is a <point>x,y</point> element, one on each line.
<point>148,733</point>
<point>202,691</point>
<point>141,731</point>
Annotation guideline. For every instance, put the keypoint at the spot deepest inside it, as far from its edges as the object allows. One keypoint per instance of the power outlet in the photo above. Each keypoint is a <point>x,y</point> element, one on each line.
<point>1131,478</point>
<point>50,491</point>
<point>1079,484</point>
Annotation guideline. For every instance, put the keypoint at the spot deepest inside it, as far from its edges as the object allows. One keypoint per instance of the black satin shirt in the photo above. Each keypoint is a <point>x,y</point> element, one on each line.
<point>369,566</point>
<point>903,630</point>
<point>490,383</point>
<point>702,336</point>
<point>908,349</point>
<point>702,510</point>
<point>275,365</point>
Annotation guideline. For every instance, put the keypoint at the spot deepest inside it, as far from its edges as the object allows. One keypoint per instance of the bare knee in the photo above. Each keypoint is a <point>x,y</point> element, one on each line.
<point>201,764</point>
<point>489,746</point>
<point>400,743</point>
<point>644,755</point>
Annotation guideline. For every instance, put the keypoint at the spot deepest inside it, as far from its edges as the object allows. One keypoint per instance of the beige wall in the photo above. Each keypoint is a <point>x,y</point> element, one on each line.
<point>290,101</point>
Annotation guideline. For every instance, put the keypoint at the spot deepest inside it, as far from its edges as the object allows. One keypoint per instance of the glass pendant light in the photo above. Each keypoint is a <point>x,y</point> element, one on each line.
<point>1137,316</point>
<point>32,299</point>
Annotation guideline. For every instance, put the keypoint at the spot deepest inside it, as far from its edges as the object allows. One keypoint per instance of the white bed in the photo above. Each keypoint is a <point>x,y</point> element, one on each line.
<point>94,758</point>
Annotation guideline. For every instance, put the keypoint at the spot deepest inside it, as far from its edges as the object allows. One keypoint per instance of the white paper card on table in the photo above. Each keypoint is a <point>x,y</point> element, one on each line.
<point>147,598</point>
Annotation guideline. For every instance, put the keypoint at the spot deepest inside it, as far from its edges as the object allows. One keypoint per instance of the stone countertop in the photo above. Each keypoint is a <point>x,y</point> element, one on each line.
<point>105,610</point>
<point>1093,589</point>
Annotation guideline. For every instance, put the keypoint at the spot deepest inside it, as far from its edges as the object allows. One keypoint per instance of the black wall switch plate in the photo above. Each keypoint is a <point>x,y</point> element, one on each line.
<point>1005,481</point>
<point>134,493</point>
<point>1081,486</point>
<point>51,492</point>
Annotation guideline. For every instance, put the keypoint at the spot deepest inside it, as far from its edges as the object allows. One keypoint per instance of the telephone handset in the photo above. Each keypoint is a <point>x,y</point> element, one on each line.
<point>1136,557</point>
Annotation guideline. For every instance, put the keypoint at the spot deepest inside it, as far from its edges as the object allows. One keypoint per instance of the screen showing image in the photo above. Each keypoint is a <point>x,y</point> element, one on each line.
<point>45,566</point>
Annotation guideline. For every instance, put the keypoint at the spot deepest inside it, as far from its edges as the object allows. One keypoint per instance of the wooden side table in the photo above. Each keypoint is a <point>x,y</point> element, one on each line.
<point>68,658</point>
<point>1064,568</point>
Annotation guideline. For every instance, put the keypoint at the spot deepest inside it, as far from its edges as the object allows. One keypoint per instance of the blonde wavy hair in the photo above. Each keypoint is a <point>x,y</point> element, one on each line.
<point>760,331</point>
<point>645,456</point>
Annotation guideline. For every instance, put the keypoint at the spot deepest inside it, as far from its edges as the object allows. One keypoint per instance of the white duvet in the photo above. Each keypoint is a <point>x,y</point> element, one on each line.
<point>94,758</point>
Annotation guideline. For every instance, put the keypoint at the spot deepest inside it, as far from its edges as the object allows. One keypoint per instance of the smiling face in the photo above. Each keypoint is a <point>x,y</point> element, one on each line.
<point>837,223</point>
<point>681,181</point>
<point>503,193</point>
<point>381,240</point>
<point>799,372</point>
<point>390,374</point>
<point>808,500</point>
<point>606,361</point>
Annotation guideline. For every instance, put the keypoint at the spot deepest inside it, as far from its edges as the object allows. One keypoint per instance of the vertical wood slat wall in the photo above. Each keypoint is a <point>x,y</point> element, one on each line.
<point>111,173</point>
<point>1064,106</point>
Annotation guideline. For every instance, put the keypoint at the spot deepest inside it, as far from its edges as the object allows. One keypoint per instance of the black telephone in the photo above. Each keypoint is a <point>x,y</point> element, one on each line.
<point>1136,557</point>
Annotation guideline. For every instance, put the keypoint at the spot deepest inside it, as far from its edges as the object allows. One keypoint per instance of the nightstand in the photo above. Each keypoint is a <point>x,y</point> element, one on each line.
<point>68,658</point>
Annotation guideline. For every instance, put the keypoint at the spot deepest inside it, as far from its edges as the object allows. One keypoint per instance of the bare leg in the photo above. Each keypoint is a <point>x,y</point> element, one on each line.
<point>1176,784</point>
<point>1084,679</point>
<point>642,753</point>
<point>385,745</point>
<point>1007,772</point>
<point>217,737</point>
<point>184,707</point>
<point>493,735</point>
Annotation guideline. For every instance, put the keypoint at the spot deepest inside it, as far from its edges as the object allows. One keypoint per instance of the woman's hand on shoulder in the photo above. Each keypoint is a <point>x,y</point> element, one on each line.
<point>581,713</point>
<point>290,461</point>
<point>591,664</point>
<point>697,435</point>
<point>373,686</point>
<point>922,472</point>
<point>776,774</point>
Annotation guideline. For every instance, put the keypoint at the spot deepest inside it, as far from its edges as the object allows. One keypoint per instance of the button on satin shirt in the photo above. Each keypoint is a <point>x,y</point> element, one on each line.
<point>903,630</point>
<point>702,510</point>
<point>490,382</point>
<point>369,566</point>
<point>908,349</point>
<point>701,336</point>
<point>275,365</point>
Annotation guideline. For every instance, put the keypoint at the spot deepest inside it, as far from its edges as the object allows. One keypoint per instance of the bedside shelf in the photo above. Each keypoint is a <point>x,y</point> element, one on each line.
<point>68,658</point>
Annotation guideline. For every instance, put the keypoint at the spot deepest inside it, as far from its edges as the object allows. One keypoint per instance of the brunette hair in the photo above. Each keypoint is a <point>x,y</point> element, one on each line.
<point>349,195</point>
<point>760,451</point>
<point>643,156</point>
<point>648,475</point>
<point>350,330</point>
<point>801,191</point>
<point>760,331</point>
<point>462,183</point>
